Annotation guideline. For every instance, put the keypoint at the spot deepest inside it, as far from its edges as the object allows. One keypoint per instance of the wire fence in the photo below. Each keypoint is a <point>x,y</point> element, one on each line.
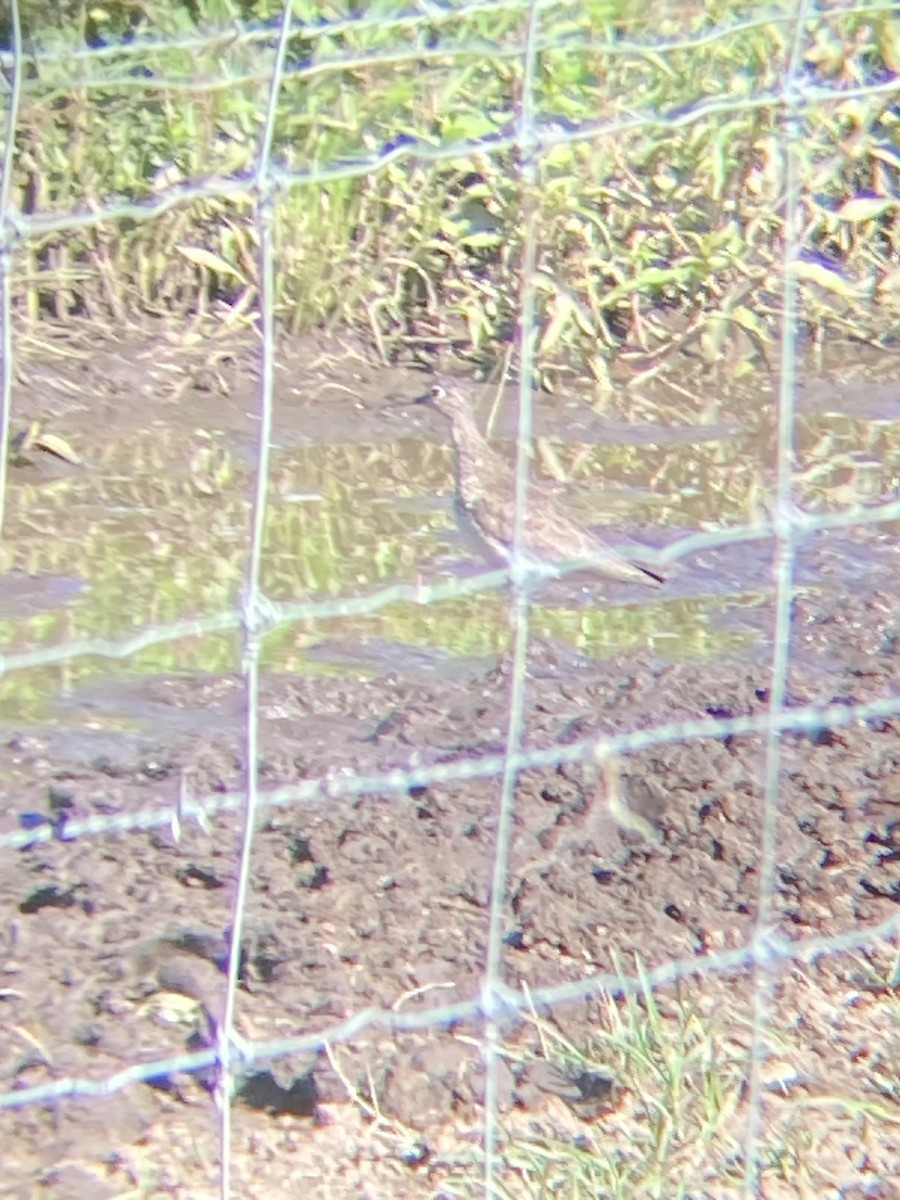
<point>306,46</point>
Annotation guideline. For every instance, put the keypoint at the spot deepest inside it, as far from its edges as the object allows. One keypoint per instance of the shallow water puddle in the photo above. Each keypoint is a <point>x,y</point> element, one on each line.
<point>154,530</point>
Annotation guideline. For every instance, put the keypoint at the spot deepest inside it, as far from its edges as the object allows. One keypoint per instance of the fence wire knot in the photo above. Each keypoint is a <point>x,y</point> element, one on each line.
<point>258,614</point>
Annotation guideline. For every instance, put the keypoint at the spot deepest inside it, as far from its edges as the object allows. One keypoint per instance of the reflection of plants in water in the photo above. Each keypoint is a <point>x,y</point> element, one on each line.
<point>157,528</point>
<point>846,462</point>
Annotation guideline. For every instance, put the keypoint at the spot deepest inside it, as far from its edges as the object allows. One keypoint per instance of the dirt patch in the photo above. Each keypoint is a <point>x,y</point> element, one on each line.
<point>383,901</point>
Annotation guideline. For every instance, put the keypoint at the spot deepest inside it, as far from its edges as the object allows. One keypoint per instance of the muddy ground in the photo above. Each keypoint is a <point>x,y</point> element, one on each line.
<point>114,946</point>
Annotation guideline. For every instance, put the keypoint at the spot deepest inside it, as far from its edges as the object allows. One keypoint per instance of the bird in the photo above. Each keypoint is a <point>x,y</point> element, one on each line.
<point>485,505</point>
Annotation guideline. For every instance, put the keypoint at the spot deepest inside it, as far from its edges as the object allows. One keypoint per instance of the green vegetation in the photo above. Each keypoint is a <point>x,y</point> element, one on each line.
<point>403,186</point>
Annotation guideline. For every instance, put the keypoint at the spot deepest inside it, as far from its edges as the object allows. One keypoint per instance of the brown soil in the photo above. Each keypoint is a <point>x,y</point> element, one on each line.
<point>374,890</point>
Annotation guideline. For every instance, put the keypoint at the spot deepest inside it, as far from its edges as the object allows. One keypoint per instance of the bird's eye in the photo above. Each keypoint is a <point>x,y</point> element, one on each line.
<point>437,391</point>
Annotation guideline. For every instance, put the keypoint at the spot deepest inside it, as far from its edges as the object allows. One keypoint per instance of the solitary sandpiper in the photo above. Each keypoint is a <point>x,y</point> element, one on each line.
<point>486,505</point>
